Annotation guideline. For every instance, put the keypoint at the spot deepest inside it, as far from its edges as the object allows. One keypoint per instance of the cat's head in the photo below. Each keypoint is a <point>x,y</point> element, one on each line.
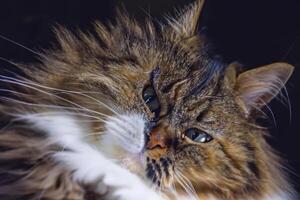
<point>197,115</point>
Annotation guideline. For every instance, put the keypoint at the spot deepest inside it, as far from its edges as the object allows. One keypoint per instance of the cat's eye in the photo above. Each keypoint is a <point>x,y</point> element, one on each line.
<point>150,98</point>
<point>198,136</point>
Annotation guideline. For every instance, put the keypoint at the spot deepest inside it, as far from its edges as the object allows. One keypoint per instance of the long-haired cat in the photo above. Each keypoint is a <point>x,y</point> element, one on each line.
<point>139,112</point>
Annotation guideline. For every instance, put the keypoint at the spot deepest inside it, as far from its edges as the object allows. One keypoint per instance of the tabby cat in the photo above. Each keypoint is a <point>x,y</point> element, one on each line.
<point>139,112</point>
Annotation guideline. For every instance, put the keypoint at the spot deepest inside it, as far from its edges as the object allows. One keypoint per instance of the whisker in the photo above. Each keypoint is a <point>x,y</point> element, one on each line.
<point>289,170</point>
<point>93,134</point>
<point>14,92</point>
<point>172,187</point>
<point>39,105</point>
<point>122,121</point>
<point>116,133</point>
<point>20,117</point>
<point>177,177</point>
<point>22,46</point>
<point>64,91</point>
<point>97,119</point>
<point>66,100</point>
<point>191,190</point>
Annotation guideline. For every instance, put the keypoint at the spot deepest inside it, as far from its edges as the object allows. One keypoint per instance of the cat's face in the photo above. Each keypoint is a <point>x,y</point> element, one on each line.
<point>195,113</point>
<point>200,137</point>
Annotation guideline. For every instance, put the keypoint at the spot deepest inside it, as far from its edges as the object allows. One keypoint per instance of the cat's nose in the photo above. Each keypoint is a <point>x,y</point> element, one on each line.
<point>157,139</point>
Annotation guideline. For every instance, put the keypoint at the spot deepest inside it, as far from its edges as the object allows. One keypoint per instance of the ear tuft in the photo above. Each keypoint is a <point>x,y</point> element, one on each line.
<point>257,87</point>
<point>185,25</point>
<point>230,75</point>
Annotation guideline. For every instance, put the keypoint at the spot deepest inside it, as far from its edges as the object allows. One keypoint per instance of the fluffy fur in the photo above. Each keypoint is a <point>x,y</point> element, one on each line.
<point>77,126</point>
<point>97,169</point>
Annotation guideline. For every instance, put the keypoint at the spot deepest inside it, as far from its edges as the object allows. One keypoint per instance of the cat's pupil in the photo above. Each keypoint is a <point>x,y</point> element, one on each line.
<point>150,98</point>
<point>198,135</point>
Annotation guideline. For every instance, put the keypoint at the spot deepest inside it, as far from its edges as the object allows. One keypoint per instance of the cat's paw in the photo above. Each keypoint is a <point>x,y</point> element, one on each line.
<point>137,193</point>
<point>91,167</point>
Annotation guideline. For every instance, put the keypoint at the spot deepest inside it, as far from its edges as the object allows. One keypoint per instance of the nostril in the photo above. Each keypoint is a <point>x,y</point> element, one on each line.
<point>157,146</point>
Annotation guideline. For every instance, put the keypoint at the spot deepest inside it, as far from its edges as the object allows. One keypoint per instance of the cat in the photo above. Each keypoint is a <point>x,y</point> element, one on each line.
<point>139,112</point>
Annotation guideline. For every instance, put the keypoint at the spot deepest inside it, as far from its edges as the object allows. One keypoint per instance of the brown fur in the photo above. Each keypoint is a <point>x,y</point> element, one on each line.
<point>113,67</point>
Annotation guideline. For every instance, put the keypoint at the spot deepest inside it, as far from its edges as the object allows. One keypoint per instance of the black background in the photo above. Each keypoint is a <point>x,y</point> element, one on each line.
<point>254,32</point>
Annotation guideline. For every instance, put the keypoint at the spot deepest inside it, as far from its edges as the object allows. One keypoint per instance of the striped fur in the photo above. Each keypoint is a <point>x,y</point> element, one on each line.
<point>99,80</point>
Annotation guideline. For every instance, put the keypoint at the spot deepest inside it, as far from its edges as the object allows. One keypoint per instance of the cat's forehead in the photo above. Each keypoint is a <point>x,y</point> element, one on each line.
<point>193,74</point>
<point>171,61</point>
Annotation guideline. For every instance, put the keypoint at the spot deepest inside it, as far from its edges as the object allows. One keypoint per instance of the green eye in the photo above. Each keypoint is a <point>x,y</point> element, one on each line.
<point>150,98</point>
<point>198,136</point>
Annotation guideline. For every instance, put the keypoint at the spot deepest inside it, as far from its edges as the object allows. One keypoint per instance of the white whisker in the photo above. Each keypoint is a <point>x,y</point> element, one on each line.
<point>24,47</point>
<point>63,91</point>
<point>50,94</point>
<point>186,184</point>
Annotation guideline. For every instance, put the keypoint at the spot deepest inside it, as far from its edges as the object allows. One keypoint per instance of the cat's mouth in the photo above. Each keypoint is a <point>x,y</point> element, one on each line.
<point>158,171</point>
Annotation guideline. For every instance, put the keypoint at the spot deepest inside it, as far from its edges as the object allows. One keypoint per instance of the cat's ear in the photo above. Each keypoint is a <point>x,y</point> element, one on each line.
<point>185,25</point>
<point>257,87</point>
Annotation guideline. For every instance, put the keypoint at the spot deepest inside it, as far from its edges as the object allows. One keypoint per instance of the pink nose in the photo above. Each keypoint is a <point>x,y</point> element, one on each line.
<point>157,139</point>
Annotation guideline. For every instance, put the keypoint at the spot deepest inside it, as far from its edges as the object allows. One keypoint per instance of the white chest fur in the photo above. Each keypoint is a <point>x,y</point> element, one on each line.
<point>89,164</point>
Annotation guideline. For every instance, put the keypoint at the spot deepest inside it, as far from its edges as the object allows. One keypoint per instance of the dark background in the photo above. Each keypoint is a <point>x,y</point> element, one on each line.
<point>254,32</point>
